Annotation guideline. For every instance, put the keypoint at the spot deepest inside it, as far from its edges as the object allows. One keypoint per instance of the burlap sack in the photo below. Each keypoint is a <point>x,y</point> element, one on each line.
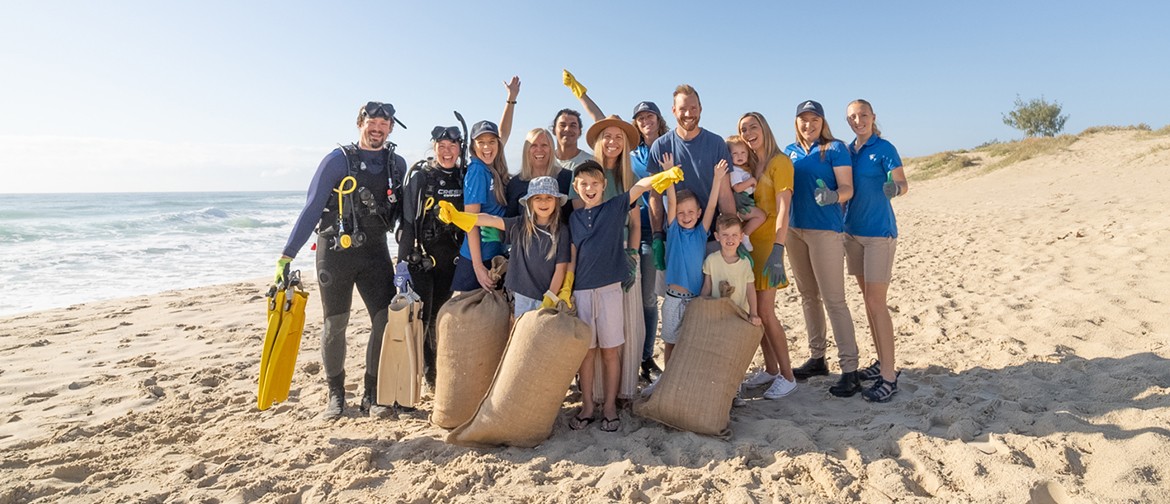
<point>471,334</point>
<point>716,344</point>
<point>520,409</point>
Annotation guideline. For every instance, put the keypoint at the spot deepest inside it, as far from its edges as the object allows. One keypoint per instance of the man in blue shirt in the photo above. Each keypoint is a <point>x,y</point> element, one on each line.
<point>694,149</point>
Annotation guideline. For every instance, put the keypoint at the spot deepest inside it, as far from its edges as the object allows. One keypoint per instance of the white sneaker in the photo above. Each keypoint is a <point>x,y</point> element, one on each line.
<point>779,388</point>
<point>759,379</point>
<point>747,243</point>
<point>649,389</point>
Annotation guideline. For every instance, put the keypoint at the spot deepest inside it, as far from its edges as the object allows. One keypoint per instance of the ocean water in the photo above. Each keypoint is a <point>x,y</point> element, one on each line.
<point>62,249</point>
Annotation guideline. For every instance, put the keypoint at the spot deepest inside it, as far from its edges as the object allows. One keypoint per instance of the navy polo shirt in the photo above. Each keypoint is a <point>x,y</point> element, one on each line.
<point>869,212</point>
<point>599,234</point>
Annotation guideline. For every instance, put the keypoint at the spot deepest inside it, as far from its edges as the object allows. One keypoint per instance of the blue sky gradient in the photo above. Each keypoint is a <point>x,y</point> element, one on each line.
<point>167,96</point>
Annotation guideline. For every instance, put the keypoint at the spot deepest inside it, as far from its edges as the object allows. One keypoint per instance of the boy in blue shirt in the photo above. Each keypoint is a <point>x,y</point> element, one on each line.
<point>598,255</point>
<point>686,247</point>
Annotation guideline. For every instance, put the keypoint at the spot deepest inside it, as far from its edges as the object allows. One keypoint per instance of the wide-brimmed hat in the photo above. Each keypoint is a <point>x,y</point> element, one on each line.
<point>628,129</point>
<point>544,185</point>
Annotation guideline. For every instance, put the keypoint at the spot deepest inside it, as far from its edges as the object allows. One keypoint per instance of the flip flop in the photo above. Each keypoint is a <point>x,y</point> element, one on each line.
<point>611,424</point>
<point>578,422</point>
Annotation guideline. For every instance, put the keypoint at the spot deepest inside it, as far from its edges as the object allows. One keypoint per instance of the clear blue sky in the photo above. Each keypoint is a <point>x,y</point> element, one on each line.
<point>137,96</point>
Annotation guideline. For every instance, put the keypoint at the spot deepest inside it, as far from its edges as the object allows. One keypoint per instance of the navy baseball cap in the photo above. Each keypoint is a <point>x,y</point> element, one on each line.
<point>646,106</point>
<point>810,106</point>
<point>482,127</point>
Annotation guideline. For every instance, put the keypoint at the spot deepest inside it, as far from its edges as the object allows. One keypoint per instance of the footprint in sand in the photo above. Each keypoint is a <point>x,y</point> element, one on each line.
<point>1048,492</point>
<point>73,473</point>
<point>37,397</point>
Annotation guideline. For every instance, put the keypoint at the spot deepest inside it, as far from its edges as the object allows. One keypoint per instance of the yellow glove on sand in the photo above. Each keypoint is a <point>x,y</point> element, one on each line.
<point>661,181</point>
<point>462,220</point>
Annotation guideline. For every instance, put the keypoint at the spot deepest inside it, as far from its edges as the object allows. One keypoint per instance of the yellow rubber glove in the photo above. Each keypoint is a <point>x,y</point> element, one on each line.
<point>461,220</point>
<point>661,181</point>
<point>550,300</point>
<point>577,88</point>
<point>566,293</point>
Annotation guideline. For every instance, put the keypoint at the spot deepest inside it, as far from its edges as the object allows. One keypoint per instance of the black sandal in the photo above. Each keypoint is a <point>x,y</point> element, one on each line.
<point>611,424</point>
<point>881,391</point>
<point>873,372</point>
<point>577,422</point>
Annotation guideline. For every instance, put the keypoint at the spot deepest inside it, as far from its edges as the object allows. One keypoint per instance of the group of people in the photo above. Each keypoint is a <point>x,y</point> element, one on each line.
<point>653,213</point>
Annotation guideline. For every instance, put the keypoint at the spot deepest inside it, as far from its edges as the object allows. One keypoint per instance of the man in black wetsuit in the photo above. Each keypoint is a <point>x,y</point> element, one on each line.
<point>353,201</point>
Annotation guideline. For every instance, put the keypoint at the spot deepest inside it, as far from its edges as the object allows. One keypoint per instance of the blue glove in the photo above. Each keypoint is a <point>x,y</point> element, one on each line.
<point>402,277</point>
<point>823,195</point>
<point>774,267</point>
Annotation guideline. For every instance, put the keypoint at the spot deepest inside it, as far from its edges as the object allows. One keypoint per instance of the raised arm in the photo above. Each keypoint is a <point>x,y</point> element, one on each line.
<point>581,92</point>
<point>513,87</point>
<point>717,186</point>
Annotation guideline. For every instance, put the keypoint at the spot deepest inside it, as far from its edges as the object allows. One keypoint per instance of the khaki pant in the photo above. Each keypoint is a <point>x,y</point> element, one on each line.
<point>818,266</point>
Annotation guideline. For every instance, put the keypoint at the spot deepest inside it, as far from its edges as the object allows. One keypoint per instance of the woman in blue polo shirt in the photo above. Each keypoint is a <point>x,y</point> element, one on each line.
<point>483,192</point>
<point>822,182</point>
<point>871,234</point>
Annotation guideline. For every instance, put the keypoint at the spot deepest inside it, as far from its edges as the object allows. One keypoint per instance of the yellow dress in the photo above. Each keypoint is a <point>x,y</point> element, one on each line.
<point>777,178</point>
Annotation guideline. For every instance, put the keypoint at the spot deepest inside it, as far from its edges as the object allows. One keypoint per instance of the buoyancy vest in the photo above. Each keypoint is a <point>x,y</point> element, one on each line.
<point>436,184</point>
<point>373,206</point>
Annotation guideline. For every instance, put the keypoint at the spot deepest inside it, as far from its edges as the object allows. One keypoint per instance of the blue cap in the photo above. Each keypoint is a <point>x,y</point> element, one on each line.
<point>482,127</point>
<point>646,106</point>
<point>810,106</point>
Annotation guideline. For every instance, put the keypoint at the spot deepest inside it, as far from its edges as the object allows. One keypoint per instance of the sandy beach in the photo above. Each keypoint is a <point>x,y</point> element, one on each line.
<point>1029,302</point>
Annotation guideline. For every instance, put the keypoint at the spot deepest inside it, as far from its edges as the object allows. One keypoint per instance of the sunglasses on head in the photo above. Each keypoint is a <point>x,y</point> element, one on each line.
<point>446,133</point>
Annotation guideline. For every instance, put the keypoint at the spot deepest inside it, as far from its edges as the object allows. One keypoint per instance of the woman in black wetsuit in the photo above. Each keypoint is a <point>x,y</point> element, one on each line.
<point>429,246</point>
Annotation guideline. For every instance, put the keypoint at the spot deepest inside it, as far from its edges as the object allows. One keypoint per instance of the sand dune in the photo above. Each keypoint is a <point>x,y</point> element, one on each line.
<point>1030,308</point>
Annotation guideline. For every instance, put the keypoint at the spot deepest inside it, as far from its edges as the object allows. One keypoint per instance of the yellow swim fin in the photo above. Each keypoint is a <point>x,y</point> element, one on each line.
<point>400,366</point>
<point>282,342</point>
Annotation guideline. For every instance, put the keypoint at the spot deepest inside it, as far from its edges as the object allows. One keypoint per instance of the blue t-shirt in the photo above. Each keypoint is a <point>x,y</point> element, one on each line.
<point>808,167</point>
<point>599,234</point>
<point>697,158</point>
<point>685,251</point>
<point>869,212</point>
<point>639,163</point>
<point>479,188</point>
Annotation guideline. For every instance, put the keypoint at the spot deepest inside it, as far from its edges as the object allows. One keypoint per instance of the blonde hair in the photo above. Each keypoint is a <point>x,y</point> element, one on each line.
<point>752,161</point>
<point>825,139</point>
<point>771,148</point>
<point>624,173</point>
<point>526,167</point>
<point>686,89</point>
<point>530,228</point>
<point>499,169</point>
<point>876,132</point>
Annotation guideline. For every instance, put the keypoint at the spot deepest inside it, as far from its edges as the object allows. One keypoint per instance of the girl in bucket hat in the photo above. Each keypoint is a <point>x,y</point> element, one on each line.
<point>539,262</point>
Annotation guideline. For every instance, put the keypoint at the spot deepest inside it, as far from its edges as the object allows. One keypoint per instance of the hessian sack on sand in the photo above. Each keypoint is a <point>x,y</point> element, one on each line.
<point>471,334</point>
<point>716,344</point>
<point>521,408</point>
